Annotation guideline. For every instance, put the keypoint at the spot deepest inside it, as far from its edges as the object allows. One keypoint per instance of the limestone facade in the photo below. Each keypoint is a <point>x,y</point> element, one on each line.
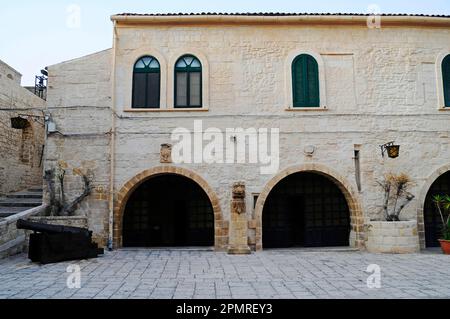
<point>21,150</point>
<point>376,86</point>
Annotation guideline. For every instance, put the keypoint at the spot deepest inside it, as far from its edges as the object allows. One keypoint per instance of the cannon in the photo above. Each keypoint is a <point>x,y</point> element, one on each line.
<point>53,243</point>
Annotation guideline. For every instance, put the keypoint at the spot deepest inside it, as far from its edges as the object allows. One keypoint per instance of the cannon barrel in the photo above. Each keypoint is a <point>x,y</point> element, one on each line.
<point>51,229</point>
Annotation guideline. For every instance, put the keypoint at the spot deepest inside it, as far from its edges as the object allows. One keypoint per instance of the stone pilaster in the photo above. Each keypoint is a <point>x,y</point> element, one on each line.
<point>239,223</point>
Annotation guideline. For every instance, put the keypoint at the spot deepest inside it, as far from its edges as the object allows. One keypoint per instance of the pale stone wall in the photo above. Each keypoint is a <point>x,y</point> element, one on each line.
<point>16,174</point>
<point>392,237</point>
<point>380,86</point>
<point>8,72</point>
<point>13,240</point>
<point>79,101</point>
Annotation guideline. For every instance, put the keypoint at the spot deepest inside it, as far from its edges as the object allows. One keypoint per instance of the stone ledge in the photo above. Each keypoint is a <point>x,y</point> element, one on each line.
<point>239,251</point>
<point>306,109</point>
<point>392,237</point>
<point>128,110</point>
<point>13,240</point>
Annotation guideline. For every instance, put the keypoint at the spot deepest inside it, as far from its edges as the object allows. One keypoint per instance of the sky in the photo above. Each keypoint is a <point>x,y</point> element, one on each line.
<point>34,34</point>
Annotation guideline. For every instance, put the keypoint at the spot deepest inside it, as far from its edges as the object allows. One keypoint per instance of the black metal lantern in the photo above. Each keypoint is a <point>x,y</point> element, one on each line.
<point>19,123</point>
<point>392,150</point>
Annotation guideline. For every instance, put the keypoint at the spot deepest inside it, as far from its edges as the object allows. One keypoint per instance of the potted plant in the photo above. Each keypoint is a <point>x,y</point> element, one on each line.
<point>396,195</point>
<point>442,203</point>
<point>391,234</point>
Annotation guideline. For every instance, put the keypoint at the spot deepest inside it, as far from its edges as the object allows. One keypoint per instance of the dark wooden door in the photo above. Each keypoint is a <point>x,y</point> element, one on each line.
<point>432,219</point>
<point>306,210</point>
<point>168,211</point>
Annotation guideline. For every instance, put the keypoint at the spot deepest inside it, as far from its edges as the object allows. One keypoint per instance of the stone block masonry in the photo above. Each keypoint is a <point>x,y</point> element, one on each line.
<point>392,237</point>
<point>377,89</point>
<point>21,161</point>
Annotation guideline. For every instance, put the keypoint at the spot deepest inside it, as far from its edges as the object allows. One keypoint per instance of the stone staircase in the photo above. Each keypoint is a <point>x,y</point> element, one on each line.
<point>21,201</point>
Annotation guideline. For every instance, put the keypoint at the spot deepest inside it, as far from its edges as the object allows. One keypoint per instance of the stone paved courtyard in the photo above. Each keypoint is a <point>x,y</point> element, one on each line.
<point>183,274</point>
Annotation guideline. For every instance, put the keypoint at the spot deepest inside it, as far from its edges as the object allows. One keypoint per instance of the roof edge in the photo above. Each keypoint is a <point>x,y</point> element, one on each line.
<point>79,58</point>
<point>324,19</point>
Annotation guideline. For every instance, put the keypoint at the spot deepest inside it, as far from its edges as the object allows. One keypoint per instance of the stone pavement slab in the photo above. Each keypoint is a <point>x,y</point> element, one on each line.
<point>191,274</point>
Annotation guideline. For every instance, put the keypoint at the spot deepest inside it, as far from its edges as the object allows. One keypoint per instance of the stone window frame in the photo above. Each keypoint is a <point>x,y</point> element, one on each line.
<point>125,81</point>
<point>289,85</point>
<point>306,67</point>
<point>167,80</point>
<point>188,70</point>
<point>440,81</point>
<point>147,70</point>
<point>174,58</point>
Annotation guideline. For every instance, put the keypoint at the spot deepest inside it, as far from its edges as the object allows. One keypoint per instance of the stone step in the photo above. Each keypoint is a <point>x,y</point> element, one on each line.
<point>9,211</point>
<point>4,215</point>
<point>25,194</point>
<point>35,190</point>
<point>20,202</point>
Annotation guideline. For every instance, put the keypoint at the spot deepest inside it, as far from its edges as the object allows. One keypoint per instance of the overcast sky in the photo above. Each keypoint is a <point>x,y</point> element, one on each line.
<point>34,34</point>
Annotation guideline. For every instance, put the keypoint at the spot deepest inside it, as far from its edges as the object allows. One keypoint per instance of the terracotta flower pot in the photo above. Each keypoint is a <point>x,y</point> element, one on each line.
<point>445,245</point>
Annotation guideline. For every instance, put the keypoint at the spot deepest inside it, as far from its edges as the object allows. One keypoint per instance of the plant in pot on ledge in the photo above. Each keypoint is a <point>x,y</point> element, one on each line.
<point>442,203</point>
<point>392,235</point>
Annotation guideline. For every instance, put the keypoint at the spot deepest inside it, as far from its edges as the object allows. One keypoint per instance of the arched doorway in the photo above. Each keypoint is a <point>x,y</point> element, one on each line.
<point>432,219</point>
<point>305,209</point>
<point>168,210</point>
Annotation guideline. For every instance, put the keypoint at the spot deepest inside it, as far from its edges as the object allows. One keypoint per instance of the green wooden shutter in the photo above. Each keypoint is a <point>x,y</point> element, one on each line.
<point>299,81</point>
<point>305,79</point>
<point>446,80</point>
<point>313,82</point>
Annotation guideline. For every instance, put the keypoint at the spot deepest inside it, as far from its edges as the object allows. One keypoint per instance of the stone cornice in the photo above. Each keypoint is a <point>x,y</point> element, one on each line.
<point>344,20</point>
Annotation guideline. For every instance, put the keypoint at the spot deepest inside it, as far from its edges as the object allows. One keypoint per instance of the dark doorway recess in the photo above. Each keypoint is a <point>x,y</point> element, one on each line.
<point>306,210</point>
<point>432,219</point>
<point>168,211</point>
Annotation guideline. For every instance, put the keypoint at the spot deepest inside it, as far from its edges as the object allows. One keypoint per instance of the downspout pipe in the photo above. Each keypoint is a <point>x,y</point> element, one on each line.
<point>112,155</point>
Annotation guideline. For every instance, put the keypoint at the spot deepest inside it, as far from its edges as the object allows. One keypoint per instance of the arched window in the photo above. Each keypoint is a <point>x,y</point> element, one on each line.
<point>305,81</point>
<point>188,82</point>
<point>146,83</point>
<point>446,79</point>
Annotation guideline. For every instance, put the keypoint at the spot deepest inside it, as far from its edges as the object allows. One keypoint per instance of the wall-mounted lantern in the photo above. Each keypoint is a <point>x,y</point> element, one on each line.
<point>19,123</point>
<point>51,125</point>
<point>392,150</point>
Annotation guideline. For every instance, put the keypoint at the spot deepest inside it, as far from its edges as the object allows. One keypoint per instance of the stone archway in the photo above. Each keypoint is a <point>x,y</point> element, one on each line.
<point>421,202</point>
<point>357,220</point>
<point>221,227</point>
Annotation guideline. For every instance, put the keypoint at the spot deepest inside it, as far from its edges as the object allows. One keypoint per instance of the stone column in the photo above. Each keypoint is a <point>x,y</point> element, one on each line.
<point>238,224</point>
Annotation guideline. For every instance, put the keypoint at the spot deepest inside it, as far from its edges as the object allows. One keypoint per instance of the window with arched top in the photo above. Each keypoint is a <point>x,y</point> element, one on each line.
<point>188,82</point>
<point>305,81</point>
<point>146,83</point>
<point>446,79</point>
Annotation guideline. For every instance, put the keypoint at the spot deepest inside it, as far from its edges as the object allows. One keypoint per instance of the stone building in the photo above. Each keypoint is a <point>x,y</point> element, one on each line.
<point>334,86</point>
<point>21,148</point>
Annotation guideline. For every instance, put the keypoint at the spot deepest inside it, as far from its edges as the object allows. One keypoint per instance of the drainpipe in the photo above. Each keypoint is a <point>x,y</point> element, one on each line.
<point>112,143</point>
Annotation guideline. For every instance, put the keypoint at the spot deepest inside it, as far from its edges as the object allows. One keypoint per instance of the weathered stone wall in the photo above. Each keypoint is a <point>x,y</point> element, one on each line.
<point>20,150</point>
<point>392,237</point>
<point>379,86</point>
<point>12,240</point>
<point>79,101</point>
